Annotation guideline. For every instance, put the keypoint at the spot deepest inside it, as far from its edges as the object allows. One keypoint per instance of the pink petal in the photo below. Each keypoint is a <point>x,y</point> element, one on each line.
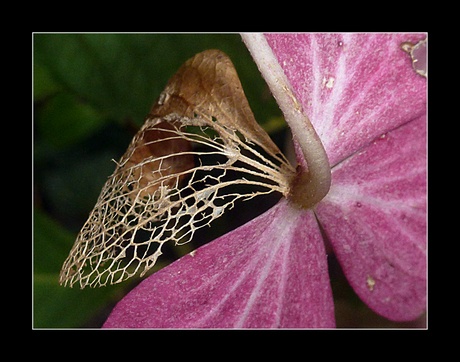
<point>353,87</point>
<point>269,273</point>
<point>375,218</point>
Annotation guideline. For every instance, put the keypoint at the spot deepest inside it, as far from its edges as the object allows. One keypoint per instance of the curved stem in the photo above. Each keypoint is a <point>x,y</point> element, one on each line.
<point>310,186</point>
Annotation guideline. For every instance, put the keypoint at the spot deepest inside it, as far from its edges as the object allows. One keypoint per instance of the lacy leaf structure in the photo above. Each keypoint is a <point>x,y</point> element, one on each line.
<point>198,152</point>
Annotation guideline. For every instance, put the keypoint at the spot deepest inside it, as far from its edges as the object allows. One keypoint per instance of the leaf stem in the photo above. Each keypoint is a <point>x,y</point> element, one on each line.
<point>312,184</point>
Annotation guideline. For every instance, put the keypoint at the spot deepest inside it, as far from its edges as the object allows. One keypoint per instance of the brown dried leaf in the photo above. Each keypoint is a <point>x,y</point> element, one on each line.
<point>154,145</point>
<point>208,84</point>
<point>164,188</point>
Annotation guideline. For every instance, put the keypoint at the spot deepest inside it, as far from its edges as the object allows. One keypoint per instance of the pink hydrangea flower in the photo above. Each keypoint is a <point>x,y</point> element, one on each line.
<point>368,107</point>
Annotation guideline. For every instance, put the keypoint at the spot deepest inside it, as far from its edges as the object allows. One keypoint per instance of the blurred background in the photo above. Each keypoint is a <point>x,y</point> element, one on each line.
<point>91,93</point>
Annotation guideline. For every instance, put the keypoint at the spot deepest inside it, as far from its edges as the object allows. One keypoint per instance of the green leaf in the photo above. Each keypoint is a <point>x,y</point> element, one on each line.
<point>44,85</point>
<point>64,121</point>
<point>51,244</point>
